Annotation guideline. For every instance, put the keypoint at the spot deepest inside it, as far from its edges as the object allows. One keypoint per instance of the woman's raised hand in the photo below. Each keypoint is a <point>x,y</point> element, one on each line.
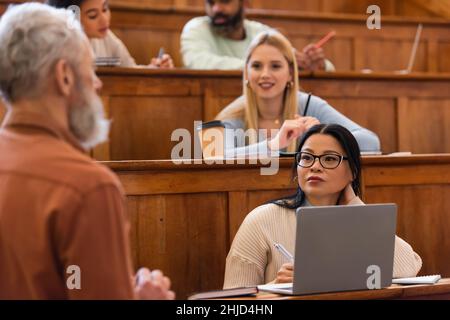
<point>347,195</point>
<point>291,130</point>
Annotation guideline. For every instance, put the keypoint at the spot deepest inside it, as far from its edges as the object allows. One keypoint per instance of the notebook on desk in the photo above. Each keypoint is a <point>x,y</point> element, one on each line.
<point>431,279</point>
<point>340,248</point>
<point>107,62</point>
<point>225,293</point>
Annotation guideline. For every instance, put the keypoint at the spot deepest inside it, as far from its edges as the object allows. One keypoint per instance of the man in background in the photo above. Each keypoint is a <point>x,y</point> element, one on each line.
<point>220,39</point>
<point>63,226</point>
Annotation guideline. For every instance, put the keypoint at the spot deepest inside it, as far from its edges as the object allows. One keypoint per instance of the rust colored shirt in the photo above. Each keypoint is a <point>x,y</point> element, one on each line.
<point>58,208</point>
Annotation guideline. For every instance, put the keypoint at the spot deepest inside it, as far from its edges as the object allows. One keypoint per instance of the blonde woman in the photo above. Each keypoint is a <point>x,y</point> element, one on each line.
<point>272,101</point>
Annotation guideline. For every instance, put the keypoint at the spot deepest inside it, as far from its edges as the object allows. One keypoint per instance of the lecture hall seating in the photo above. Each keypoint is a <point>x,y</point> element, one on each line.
<point>388,7</point>
<point>150,104</point>
<point>183,214</point>
<point>408,112</point>
<point>354,48</point>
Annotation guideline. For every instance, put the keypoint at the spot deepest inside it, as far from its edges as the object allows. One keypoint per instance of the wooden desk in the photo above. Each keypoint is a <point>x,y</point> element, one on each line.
<point>438,291</point>
<point>388,7</point>
<point>181,214</point>
<point>409,113</point>
<point>355,47</point>
<point>159,24</point>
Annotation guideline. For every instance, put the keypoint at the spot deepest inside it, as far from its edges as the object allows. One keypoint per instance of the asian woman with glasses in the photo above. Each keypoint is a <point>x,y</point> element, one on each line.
<point>328,168</point>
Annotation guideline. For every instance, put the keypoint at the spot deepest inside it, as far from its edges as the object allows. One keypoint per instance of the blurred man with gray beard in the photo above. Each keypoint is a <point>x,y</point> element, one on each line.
<point>63,226</point>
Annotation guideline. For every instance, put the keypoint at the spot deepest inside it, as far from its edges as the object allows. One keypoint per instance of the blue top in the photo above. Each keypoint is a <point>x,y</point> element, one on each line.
<point>319,109</point>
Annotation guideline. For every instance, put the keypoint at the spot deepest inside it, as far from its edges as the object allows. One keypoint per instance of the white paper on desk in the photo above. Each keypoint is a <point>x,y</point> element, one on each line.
<point>371,153</point>
<point>283,288</point>
<point>418,280</point>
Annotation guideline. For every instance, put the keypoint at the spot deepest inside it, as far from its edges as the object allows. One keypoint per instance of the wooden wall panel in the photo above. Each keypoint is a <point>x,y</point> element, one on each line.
<point>409,8</point>
<point>420,216</point>
<point>425,122</point>
<point>183,235</point>
<point>217,105</point>
<point>408,112</point>
<point>393,55</point>
<point>150,121</point>
<point>443,56</point>
<point>388,7</point>
<point>286,5</point>
<point>133,212</point>
<point>213,102</point>
<point>362,111</point>
<point>256,198</point>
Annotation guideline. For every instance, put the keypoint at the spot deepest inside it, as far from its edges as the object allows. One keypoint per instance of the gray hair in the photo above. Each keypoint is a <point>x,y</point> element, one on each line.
<point>33,37</point>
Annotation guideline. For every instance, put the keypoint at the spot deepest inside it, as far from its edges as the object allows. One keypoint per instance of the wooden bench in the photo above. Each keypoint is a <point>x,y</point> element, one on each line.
<point>184,217</point>
<point>354,48</point>
<point>388,7</point>
<point>409,112</point>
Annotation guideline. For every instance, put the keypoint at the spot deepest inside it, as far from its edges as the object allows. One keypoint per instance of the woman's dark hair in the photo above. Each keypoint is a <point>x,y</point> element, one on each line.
<point>351,148</point>
<point>64,3</point>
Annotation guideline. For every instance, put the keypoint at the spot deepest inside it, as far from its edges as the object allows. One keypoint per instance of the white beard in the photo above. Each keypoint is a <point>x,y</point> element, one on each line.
<point>87,121</point>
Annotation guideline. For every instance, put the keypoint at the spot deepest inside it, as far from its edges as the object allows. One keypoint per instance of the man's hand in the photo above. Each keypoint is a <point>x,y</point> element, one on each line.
<point>152,285</point>
<point>164,63</point>
<point>310,58</point>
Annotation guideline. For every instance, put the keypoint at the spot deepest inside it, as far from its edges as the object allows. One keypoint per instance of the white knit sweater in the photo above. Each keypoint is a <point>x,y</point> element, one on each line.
<point>252,259</point>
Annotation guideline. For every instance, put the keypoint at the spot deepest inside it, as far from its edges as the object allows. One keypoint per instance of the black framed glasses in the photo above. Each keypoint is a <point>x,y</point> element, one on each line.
<point>327,161</point>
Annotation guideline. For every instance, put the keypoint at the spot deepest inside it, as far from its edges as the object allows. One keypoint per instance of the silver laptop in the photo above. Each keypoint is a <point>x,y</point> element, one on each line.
<point>342,248</point>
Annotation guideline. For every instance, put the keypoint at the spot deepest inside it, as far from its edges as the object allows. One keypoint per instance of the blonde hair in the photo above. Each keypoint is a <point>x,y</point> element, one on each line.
<point>247,107</point>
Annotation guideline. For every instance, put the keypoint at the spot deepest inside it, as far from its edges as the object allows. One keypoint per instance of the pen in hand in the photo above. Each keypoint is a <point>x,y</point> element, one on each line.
<point>322,41</point>
<point>158,60</point>
<point>161,53</point>
<point>284,252</point>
